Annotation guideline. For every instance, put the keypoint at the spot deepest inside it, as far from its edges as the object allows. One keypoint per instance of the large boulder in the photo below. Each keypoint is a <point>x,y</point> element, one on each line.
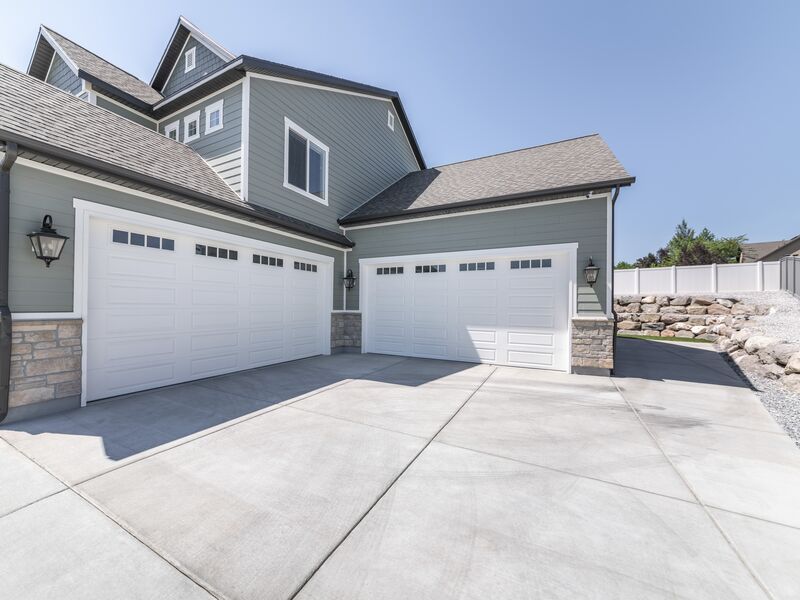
<point>756,343</point>
<point>628,325</point>
<point>684,334</point>
<point>718,309</point>
<point>726,302</point>
<point>698,329</point>
<point>778,353</point>
<point>650,308</point>
<point>670,318</point>
<point>624,300</point>
<point>649,300</point>
<point>680,327</point>
<point>792,382</point>
<point>772,371</point>
<point>702,301</point>
<point>649,317</point>
<point>680,301</point>
<point>793,365</point>
<point>740,337</point>
<point>696,310</point>
<point>633,307</point>
<point>697,320</point>
<point>662,300</point>
<point>743,309</point>
<point>667,333</point>
<point>674,309</point>
<point>653,326</point>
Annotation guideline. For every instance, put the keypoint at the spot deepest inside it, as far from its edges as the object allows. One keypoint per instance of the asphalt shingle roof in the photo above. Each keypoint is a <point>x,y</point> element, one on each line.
<point>105,71</point>
<point>755,251</point>
<point>36,111</point>
<point>560,166</point>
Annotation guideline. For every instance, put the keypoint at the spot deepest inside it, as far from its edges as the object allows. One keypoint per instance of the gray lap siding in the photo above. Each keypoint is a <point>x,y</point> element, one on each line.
<point>62,77</point>
<point>205,62</point>
<point>365,155</point>
<point>582,221</point>
<point>35,193</point>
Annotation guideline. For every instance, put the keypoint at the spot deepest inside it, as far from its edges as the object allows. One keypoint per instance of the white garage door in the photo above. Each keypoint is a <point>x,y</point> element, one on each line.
<point>502,308</point>
<point>167,307</point>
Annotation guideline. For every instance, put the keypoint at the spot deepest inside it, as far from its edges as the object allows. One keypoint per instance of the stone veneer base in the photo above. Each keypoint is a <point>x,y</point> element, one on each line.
<point>592,345</point>
<point>345,332</point>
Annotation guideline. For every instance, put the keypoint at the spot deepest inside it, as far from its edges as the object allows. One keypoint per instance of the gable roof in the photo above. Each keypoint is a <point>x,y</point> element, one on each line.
<point>584,163</point>
<point>755,251</point>
<point>183,30</point>
<point>94,69</point>
<point>44,119</point>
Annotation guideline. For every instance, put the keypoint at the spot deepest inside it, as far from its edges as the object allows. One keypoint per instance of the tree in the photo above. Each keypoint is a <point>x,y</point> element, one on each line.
<point>686,247</point>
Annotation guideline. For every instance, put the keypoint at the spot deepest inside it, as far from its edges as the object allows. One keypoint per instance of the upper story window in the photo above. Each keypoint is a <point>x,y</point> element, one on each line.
<point>189,59</point>
<point>214,116</point>
<point>305,168</point>
<point>390,121</point>
<point>191,127</point>
<point>171,130</point>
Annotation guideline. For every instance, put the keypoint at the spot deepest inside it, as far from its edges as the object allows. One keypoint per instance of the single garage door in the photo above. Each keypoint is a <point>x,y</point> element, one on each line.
<point>502,307</point>
<point>166,307</point>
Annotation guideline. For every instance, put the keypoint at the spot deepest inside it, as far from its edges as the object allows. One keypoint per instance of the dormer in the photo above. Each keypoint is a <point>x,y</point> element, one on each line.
<point>190,55</point>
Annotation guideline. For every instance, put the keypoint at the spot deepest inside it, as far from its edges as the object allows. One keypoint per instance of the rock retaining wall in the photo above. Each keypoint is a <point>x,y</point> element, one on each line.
<point>701,316</point>
<point>763,356</point>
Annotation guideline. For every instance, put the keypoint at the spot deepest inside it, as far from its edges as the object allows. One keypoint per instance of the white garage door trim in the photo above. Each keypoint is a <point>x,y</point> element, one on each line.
<point>86,210</point>
<point>569,250</point>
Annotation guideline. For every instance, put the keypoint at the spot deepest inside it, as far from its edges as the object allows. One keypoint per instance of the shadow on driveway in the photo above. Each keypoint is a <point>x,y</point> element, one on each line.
<point>135,423</point>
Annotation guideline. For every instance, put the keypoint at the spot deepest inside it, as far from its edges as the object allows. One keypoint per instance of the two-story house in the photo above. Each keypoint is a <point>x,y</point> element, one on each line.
<point>234,212</point>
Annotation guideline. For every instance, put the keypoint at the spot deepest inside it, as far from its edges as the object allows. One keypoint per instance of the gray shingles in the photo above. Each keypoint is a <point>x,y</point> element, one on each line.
<point>561,165</point>
<point>45,114</point>
<point>105,71</point>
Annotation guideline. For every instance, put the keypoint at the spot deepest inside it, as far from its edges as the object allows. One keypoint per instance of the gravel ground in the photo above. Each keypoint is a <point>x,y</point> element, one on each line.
<point>783,323</point>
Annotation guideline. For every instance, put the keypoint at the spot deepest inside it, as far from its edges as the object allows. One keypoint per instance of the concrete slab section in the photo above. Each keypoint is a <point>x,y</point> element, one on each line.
<point>22,481</point>
<point>62,547</point>
<point>773,550</point>
<point>460,524</point>
<point>576,426</point>
<point>253,508</point>
<point>416,408</point>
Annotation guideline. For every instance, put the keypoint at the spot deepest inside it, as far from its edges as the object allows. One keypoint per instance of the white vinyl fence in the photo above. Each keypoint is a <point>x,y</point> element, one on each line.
<point>790,274</point>
<point>712,279</point>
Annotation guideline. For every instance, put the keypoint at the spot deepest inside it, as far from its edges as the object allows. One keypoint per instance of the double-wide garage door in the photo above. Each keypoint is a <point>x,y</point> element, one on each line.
<point>167,307</point>
<point>503,308</point>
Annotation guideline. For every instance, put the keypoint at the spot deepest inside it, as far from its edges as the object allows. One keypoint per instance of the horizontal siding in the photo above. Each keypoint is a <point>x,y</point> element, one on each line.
<point>131,115</point>
<point>583,222</point>
<point>365,155</point>
<point>35,193</point>
<point>205,62</point>
<point>62,77</point>
<point>222,149</point>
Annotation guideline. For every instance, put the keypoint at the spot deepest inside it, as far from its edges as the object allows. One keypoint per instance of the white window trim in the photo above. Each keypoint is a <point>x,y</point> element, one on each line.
<point>289,124</point>
<point>195,116</point>
<point>174,126</point>
<point>210,109</point>
<point>188,65</point>
<point>390,120</point>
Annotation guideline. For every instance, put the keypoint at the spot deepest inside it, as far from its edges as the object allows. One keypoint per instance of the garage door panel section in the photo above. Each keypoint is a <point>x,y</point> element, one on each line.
<point>498,308</point>
<point>166,307</point>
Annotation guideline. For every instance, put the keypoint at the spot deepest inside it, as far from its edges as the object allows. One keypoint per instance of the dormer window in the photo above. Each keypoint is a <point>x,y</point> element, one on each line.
<point>305,167</point>
<point>188,59</point>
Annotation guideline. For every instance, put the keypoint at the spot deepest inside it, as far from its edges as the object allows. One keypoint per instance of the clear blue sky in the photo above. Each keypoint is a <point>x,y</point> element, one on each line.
<point>699,100</point>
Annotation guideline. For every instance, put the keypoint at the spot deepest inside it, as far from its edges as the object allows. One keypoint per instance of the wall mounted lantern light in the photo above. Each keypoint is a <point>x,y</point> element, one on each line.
<point>349,280</point>
<point>590,271</point>
<point>47,243</point>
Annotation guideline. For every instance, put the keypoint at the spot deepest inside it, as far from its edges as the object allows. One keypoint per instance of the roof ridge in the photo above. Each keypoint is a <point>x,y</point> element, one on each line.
<point>105,60</point>
<point>572,139</point>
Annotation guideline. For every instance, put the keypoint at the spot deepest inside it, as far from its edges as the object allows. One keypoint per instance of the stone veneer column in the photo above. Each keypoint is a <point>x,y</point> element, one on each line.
<point>592,345</point>
<point>346,332</point>
<point>45,367</point>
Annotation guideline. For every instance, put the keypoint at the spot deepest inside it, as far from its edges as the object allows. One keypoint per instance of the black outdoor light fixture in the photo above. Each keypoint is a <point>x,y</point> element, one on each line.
<point>349,280</point>
<point>590,271</point>
<point>47,242</point>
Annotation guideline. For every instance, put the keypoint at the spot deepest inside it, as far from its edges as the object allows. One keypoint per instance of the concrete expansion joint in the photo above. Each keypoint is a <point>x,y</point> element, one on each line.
<point>696,496</point>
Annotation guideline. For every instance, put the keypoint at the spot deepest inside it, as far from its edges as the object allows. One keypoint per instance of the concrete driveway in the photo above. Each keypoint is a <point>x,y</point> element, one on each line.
<point>366,476</point>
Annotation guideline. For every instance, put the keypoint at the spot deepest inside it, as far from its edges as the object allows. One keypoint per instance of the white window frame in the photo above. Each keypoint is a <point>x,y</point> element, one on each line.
<point>195,116</point>
<point>174,126</point>
<point>390,119</point>
<point>214,106</point>
<point>290,125</point>
<point>189,65</point>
